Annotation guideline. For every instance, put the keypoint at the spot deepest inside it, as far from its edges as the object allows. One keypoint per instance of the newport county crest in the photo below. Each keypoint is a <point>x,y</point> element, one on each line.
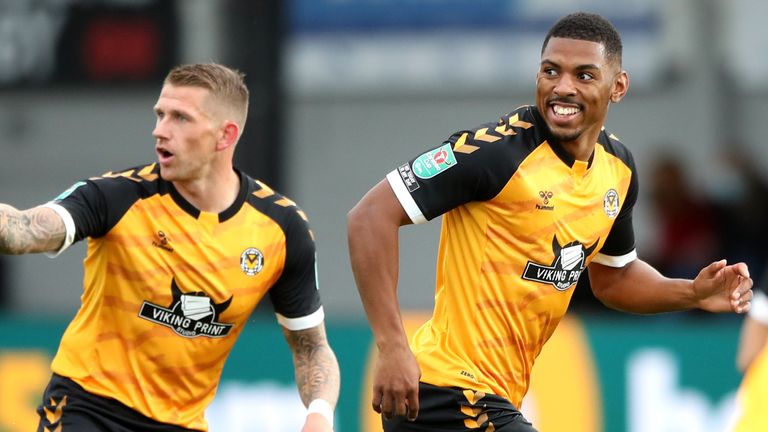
<point>611,204</point>
<point>189,315</point>
<point>565,270</point>
<point>251,261</point>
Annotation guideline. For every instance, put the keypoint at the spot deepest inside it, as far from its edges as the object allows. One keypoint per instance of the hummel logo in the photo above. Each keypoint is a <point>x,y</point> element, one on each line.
<point>545,197</point>
<point>163,242</point>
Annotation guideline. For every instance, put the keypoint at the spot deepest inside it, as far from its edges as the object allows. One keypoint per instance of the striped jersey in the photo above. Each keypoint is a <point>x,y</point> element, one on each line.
<point>169,288</point>
<point>521,220</point>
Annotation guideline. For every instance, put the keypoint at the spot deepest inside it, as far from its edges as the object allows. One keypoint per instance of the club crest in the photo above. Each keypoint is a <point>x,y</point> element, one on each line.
<point>251,261</point>
<point>611,203</point>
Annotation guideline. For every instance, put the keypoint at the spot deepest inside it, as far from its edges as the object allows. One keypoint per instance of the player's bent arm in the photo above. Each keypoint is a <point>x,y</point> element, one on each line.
<point>39,229</point>
<point>752,340</point>
<point>372,235</point>
<point>637,287</point>
<point>315,365</point>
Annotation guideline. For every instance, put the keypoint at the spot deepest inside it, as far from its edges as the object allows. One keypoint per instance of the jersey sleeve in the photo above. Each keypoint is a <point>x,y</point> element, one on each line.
<point>90,208</point>
<point>295,295</point>
<point>460,170</point>
<point>619,248</point>
<point>86,204</point>
<point>82,208</point>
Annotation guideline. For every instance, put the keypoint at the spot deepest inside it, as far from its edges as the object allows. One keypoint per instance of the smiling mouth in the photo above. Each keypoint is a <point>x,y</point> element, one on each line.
<point>564,111</point>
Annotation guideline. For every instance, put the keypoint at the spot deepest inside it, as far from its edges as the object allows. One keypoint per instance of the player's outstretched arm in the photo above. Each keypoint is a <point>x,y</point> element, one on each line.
<point>39,229</point>
<point>637,287</point>
<point>317,375</point>
<point>372,231</point>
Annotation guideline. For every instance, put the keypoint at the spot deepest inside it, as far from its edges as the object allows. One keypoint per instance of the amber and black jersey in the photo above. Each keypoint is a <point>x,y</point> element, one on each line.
<point>168,288</point>
<point>521,220</point>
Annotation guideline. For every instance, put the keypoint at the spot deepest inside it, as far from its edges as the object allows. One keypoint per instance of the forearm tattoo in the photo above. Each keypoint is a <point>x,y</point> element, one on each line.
<point>35,230</point>
<point>317,371</point>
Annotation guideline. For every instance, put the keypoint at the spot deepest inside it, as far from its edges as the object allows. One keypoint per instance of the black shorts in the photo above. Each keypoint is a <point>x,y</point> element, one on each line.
<point>70,407</point>
<point>448,409</point>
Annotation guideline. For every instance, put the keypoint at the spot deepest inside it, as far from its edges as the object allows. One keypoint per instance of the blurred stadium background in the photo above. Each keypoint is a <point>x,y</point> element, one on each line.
<point>345,90</point>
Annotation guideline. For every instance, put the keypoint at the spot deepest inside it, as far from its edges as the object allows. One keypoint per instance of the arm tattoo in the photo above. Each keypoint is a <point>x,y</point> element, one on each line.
<point>317,371</point>
<point>38,229</point>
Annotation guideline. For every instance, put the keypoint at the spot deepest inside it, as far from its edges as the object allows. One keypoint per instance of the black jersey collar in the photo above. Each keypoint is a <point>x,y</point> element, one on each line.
<point>195,212</point>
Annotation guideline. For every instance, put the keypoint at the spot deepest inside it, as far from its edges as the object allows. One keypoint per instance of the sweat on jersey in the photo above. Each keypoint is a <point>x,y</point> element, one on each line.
<point>521,220</point>
<point>169,288</point>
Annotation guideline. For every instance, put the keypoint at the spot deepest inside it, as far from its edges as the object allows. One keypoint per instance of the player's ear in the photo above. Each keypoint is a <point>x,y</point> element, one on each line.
<point>229,134</point>
<point>620,86</point>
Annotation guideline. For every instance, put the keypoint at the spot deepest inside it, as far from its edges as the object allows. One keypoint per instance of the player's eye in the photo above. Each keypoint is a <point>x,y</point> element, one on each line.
<point>549,71</point>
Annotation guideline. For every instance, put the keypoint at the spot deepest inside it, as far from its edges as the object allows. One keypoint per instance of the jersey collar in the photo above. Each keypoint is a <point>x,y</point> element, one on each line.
<point>195,212</point>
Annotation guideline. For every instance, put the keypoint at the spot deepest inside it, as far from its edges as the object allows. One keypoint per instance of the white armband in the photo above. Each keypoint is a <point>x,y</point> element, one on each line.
<point>69,225</point>
<point>322,407</point>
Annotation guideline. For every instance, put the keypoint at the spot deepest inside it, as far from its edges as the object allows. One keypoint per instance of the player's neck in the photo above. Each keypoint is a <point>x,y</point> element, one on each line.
<point>213,194</point>
<point>579,150</point>
<point>582,147</point>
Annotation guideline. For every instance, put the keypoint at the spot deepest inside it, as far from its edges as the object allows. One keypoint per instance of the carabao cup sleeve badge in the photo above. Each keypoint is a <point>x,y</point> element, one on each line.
<point>434,162</point>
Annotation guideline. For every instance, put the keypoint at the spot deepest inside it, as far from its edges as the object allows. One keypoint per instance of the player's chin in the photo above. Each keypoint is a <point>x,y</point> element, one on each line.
<point>565,134</point>
<point>167,173</point>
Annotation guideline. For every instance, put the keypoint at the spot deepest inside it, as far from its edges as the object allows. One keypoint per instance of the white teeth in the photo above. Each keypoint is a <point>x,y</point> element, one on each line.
<point>561,110</point>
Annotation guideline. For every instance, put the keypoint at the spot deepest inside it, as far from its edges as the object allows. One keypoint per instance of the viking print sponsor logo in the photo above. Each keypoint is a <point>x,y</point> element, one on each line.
<point>251,261</point>
<point>545,197</point>
<point>162,242</point>
<point>189,315</point>
<point>565,270</point>
<point>407,175</point>
<point>434,162</point>
<point>611,203</point>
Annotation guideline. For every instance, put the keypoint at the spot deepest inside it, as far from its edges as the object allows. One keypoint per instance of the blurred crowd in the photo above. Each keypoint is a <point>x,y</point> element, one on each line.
<point>687,223</point>
<point>693,225</point>
<point>696,227</point>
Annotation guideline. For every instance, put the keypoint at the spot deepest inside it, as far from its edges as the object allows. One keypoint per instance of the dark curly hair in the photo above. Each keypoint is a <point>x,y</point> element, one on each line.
<point>588,27</point>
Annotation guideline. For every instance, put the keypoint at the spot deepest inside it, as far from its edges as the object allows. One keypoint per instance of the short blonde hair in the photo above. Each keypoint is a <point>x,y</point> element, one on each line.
<point>226,85</point>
